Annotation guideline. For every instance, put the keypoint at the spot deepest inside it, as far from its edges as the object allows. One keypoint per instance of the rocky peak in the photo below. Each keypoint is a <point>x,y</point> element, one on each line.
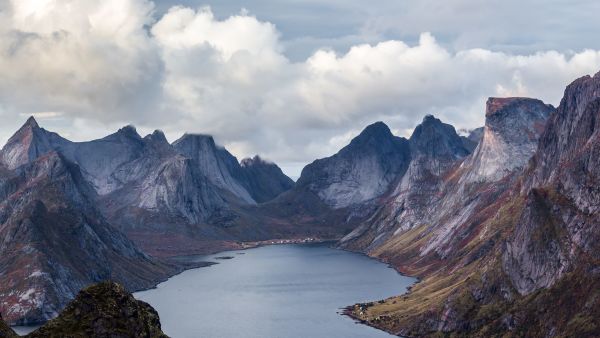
<point>264,179</point>
<point>254,161</point>
<point>28,143</point>
<point>570,136</point>
<point>157,136</point>
<point>216,163</point>
<point>512,129</point>
<point>434,138</point>
<point>158,143</point>
<point>517,118</point>
<point>31,123</point>
<point>372,135</point>
<point>361,171</point>
<point>128,131</point>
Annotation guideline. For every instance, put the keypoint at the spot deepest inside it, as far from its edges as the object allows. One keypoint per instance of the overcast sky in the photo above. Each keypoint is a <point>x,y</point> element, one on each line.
<point>291,80</point>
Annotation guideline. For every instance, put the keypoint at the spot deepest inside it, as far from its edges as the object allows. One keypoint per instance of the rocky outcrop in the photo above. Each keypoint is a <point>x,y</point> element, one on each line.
<point>559,223</point>
<point>513,127</point>
<point>263,179</point>
<point>361,171</point>
<point>101,311</point>
<point>5,330</point>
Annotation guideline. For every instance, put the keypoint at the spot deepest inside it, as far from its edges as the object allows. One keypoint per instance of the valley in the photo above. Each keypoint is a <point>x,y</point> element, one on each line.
<point>495,224</point>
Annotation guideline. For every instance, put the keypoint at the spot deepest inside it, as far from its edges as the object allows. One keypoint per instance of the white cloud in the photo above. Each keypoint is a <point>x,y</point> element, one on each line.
<point>107,63</point>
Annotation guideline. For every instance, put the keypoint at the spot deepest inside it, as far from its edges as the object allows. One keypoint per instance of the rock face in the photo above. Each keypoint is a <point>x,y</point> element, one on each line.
<point>66,208</point>
<point>217,164</point>
<point>435,148</point>
<point>559,223</point>
<point>440,221</point>
<point>101,311</point>
<point>471,140</point>
<point>264,179</point>
<point>5,330</point>
<point>361,171</point>
<point>27,144</point>
<point>513,127</point>
<point>524,237</point>
<point>55,242</point>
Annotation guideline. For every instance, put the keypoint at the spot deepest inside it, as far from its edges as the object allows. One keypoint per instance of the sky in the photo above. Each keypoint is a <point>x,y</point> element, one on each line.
<point>290,80</point>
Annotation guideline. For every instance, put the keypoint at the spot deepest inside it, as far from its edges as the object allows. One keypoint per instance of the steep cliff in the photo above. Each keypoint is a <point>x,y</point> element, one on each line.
<point>526,265</point>
<point>216,163</point>
<point>263,179</point>
<point>435,148</point>
<point>361,171</point>
<point>55,242</point>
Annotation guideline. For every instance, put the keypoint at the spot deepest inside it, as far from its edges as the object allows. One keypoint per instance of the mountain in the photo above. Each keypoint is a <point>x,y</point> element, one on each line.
<point>55,241</point>
<point>252,181</point>
<point>161,195</point>
<point>435,148</point>
<point>216,163</point>
<point>513,126</point>
<point>264,179</point>
<point>361,171</point>
<point>472,139</point>
<point>525,262</point>
<point>27,144</point>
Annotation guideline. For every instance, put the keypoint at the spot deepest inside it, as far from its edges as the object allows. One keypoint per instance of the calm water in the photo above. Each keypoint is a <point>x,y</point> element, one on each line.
<point>279,291</point>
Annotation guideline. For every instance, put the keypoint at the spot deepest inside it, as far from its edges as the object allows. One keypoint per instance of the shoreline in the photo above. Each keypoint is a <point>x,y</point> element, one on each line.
<point>184,266</point>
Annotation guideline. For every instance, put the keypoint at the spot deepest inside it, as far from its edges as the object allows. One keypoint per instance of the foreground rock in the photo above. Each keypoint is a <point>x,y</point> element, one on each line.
<point>104,310</point>
<point>5,330</point>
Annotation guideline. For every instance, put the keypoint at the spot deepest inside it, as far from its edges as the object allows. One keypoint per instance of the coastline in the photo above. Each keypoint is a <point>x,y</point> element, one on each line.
<point>185,263</point>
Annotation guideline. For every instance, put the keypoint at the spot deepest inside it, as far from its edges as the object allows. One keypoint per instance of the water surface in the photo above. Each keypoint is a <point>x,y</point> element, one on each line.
<point>283,291</point>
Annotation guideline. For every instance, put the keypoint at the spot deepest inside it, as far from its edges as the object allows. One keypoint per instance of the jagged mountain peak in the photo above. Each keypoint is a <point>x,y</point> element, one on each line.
<point>31,122</point>
<point>129,131</point>
<point>191,137</point>
<point>361,171</point>
<point>433,137</point>
<point>252,161</point>
<point>376,137</point>
<point>157,136</point>
<point>215,162</point>
<point>512,129</point>
<point>377,130</point>
<point>501,111</point>
<point>29,142</point>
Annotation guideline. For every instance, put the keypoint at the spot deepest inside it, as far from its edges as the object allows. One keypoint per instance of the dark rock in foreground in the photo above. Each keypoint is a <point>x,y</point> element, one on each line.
<point>5,330</point>
<point>103,310</point>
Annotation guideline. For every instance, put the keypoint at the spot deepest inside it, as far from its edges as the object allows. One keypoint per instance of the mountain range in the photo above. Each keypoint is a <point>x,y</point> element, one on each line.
<point>500,225</point>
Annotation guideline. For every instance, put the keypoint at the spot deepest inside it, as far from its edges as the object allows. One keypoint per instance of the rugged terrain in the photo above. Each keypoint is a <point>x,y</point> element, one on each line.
<point>515,258</point>
<point>72,214</point>
<point>500,225</point>
<point>102,310</point>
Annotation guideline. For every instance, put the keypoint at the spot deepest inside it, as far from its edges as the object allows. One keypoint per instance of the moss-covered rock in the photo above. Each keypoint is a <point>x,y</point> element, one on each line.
<point>104,310</point>
<point>5,330</point>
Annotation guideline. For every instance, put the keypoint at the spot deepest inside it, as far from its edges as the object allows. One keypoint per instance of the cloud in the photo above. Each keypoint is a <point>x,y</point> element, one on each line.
<point>107,63</point>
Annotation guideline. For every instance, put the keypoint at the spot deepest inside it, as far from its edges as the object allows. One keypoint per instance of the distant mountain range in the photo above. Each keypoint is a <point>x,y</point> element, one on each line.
<point>497,223</point>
